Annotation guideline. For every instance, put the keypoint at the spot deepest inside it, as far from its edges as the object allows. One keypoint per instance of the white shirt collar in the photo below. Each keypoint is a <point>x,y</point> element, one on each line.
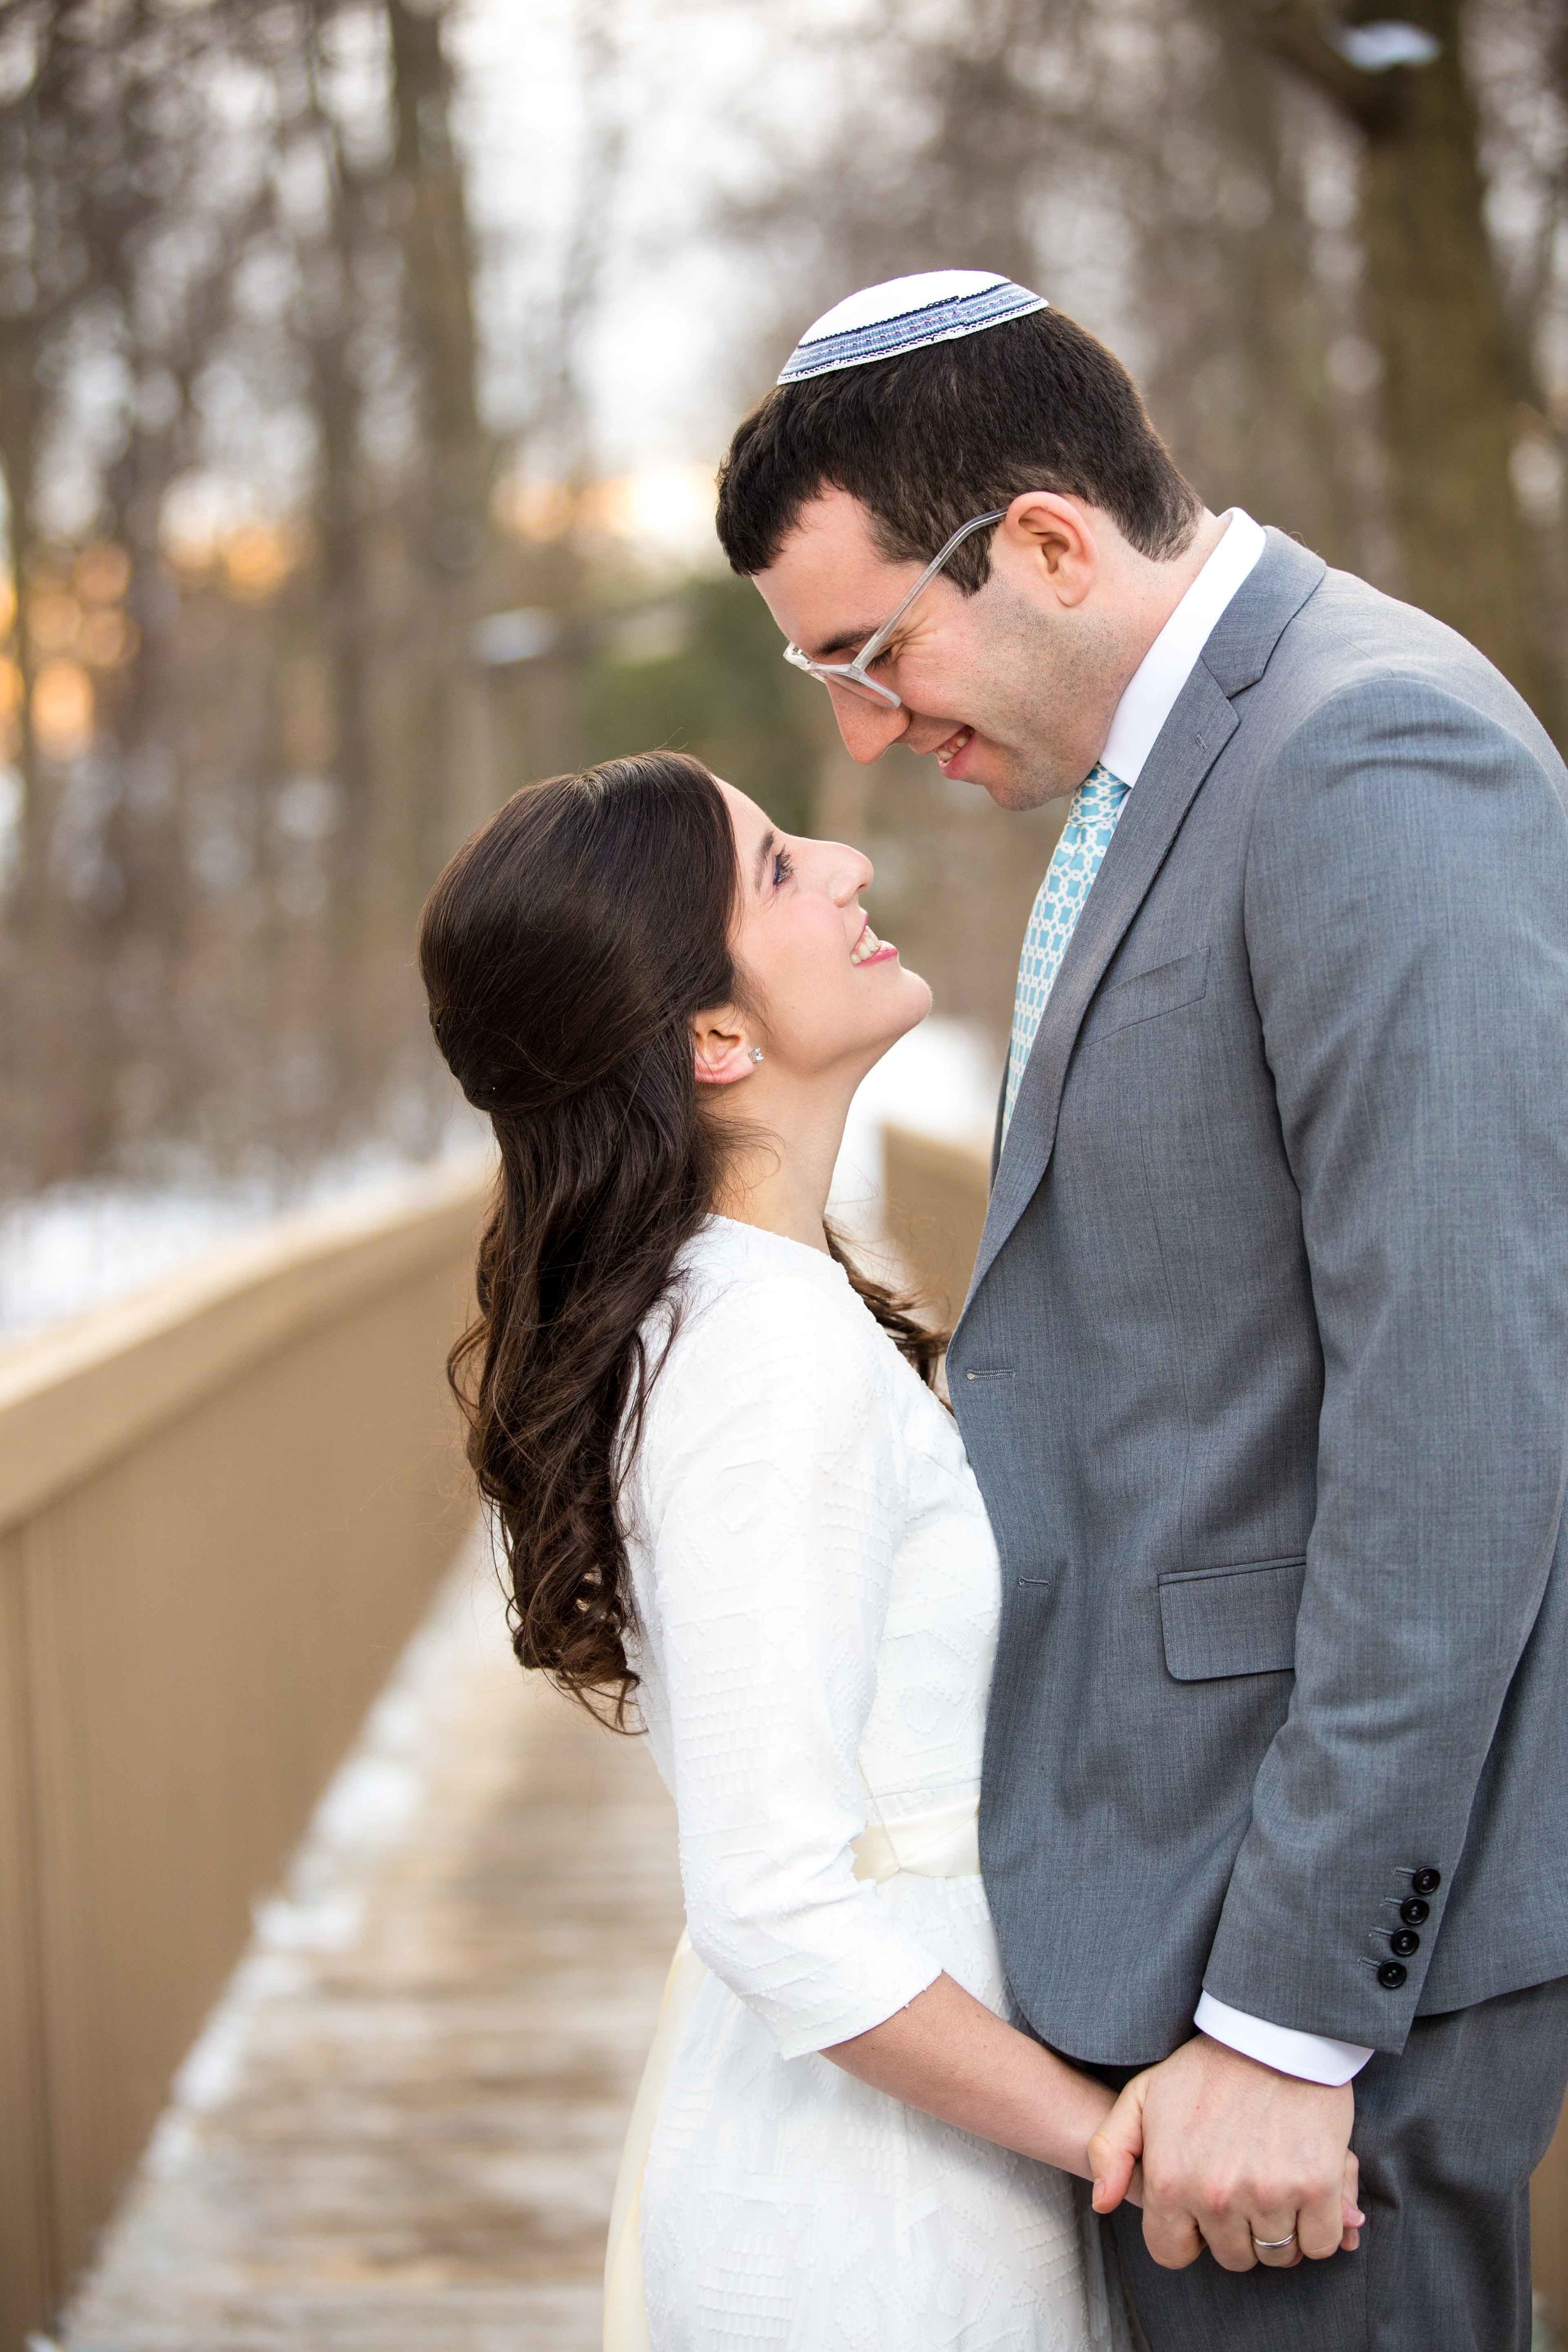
<point>1152,691</point>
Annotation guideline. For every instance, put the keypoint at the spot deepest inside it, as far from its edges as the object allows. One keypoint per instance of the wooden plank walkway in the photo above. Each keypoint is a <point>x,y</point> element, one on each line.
<point>400,2128</point>
<point>399,2131</point>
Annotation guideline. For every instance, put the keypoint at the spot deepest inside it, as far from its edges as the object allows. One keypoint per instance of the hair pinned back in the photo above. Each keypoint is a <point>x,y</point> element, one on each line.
<point>565,951</point>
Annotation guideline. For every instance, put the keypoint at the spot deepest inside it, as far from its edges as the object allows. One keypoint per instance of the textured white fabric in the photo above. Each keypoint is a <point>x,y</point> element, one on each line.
<point>1315,2057</point>
<point>817,1593</point>
<point>941,1844</point>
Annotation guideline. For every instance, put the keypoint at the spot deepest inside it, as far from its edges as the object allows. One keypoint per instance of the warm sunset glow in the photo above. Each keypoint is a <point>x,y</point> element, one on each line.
<point>106,638</point>
<point>103,572</point>
<point>541,512</point>
<point>664,510</point>
<point>63,705</point>
<point>52,619</point>
<point>256,559</point>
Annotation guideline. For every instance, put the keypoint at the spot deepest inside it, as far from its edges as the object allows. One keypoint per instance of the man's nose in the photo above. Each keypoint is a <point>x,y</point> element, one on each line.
<point>867,727</point>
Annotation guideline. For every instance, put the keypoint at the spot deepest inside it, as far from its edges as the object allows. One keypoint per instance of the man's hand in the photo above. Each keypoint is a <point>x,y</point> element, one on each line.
<point>1232,2153</point>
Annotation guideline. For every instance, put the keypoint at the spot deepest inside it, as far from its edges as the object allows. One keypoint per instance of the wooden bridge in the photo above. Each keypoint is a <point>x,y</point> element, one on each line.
<point>344,2072</point>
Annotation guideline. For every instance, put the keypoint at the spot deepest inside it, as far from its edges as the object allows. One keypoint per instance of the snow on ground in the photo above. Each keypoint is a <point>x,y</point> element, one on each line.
<point>81,1245</point>
<point>941,1080</point>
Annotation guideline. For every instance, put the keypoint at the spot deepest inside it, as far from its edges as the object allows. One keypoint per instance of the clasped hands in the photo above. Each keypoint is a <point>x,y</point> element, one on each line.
<point>1234,2156</point>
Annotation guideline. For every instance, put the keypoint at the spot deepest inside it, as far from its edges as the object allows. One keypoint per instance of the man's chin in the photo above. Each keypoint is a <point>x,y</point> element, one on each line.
<point>1018,789</point>
<point>1013,783</point>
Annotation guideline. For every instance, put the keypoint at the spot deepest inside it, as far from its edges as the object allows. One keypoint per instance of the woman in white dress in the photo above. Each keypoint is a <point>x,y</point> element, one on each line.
<point>735,1512</point>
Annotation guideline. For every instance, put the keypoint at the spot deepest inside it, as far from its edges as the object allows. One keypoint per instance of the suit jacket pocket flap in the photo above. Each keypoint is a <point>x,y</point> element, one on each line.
<point>1165,989</point>
<point>1231,1621</point>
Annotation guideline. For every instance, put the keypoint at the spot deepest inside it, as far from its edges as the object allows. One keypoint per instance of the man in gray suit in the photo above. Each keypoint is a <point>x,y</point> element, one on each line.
<point>1264,1369</point>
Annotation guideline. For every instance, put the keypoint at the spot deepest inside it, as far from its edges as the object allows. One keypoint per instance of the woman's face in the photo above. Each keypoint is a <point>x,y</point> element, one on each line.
<point>826,994</point>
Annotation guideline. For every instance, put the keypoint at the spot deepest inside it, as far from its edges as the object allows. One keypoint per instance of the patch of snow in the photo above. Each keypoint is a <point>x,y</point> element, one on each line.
<point>80,1245</point>
<point>941,1080</point>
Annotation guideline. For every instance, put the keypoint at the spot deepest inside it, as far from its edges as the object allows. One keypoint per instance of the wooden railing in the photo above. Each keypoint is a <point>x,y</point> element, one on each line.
<point>223,1506</point>
<point>936,1195</point>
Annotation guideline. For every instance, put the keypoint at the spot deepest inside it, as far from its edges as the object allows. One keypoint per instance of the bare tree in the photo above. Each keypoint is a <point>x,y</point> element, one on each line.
<point>1434,307</point>
<point>456,461</point>
<point>189,216</point>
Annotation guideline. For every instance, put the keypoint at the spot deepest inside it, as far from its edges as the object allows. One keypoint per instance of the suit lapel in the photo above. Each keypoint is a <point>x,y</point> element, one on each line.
<point>1202,721</point>
<point>1149,823</point>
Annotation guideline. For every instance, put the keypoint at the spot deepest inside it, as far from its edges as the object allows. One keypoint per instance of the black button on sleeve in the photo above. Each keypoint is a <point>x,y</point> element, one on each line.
<point>1426,1882</point>
<point>1391,1975</point>
<point>1405,1941</point>
<point>1415,1913</point>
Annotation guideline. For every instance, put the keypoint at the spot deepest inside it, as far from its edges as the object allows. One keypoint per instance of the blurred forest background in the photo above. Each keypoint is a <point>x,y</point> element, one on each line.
<point>329,333</point>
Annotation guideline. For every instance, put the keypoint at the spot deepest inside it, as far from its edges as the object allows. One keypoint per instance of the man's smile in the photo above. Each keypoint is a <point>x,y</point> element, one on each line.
<point>948,754</point>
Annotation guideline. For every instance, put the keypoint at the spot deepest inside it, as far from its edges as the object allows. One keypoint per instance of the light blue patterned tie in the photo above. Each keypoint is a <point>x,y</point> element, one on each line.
<point>1086,836</point>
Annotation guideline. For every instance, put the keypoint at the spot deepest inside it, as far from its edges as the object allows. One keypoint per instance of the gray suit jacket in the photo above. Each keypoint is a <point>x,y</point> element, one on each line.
<point>1264,1369</point>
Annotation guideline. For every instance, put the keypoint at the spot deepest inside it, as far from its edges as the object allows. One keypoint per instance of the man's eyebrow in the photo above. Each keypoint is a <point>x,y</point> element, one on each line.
<point>769,843</point>
<point>848,642</point>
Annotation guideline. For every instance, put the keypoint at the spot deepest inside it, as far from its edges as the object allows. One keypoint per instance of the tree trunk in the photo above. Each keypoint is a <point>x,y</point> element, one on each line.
<point>443,350</point>
<point>1242,323</point>
<point>18,444</point>
<point>1434,312</point>
<point>1447,393</point>
<point>333,316</point>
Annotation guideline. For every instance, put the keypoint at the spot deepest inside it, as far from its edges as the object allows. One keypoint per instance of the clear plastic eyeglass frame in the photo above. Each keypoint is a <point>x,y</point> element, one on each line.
<point>851,674</point>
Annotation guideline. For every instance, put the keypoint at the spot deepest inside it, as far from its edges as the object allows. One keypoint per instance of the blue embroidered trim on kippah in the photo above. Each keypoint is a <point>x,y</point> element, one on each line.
<point>934,322</point>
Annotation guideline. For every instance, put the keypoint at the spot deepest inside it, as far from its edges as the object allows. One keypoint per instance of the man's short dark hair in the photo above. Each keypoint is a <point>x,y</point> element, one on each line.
<point>929,438</point>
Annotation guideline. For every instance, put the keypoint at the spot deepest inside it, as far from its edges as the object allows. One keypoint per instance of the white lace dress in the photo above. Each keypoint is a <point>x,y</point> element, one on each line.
<point>817,1590</point>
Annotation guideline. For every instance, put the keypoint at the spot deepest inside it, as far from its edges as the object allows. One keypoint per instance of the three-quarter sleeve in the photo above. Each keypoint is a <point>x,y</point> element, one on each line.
<point>773,1499</point>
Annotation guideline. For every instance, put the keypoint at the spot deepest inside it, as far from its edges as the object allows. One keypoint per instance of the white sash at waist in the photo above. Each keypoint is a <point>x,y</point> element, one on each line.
<point>942,1843</point>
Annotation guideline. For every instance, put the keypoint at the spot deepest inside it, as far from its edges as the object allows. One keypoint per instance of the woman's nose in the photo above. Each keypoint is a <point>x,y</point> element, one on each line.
<point>850,872</point>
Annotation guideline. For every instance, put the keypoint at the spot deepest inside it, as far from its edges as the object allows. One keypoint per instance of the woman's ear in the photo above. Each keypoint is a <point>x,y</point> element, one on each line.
<point>719,1047</point>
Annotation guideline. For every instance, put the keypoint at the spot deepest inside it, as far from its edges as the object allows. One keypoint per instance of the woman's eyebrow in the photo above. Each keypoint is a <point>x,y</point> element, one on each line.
<point>769,843</point>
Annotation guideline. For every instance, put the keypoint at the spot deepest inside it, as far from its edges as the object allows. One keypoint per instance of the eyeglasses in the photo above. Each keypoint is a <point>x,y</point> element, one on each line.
<point>852,674</point>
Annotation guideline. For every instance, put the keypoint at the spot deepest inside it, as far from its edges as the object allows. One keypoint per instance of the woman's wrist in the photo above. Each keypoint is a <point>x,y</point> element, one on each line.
<point>1074,2108</point>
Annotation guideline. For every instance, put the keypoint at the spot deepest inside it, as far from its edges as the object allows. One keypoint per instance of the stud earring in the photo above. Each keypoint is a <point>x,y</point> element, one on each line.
<point>756,1053</point>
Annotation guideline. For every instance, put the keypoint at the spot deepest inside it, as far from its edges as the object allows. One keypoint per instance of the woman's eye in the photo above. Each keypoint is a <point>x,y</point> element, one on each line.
<point>784,866</point>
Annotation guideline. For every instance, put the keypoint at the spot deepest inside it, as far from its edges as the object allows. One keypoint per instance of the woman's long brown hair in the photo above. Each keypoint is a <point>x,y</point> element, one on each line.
<point>565,951</point>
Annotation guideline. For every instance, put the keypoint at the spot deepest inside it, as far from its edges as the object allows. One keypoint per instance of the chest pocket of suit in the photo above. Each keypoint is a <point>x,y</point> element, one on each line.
<point>1147,995</point>
<point>1231,1621</point>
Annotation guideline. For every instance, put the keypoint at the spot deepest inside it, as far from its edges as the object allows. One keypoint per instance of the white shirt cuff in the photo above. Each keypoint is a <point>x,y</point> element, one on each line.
<point>1310,2056</point>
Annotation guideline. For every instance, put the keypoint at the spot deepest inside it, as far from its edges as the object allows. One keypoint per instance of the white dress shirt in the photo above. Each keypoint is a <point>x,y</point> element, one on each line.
<point>1149,698</point>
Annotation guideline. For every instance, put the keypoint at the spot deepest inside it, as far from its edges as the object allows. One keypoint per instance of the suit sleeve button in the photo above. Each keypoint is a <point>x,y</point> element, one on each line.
<point>1415,1913</point>
<point>1391,1975</point>
<point>1426,1882</point>
<point>1405,1941</point>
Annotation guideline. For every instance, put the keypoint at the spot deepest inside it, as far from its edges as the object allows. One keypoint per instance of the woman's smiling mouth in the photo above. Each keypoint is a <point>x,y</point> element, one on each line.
<point>869,949</point>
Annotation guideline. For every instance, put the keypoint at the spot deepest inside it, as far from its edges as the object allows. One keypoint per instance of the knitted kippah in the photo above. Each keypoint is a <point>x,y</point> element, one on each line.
<point>903,314</point>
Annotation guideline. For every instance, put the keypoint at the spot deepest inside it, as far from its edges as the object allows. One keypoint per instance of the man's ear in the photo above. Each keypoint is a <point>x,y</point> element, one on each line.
<point>1057,534</point>
<point>720,1048</point>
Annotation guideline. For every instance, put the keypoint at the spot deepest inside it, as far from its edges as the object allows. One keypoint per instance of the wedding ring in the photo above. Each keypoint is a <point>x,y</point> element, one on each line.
<point>1274,2246</point>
